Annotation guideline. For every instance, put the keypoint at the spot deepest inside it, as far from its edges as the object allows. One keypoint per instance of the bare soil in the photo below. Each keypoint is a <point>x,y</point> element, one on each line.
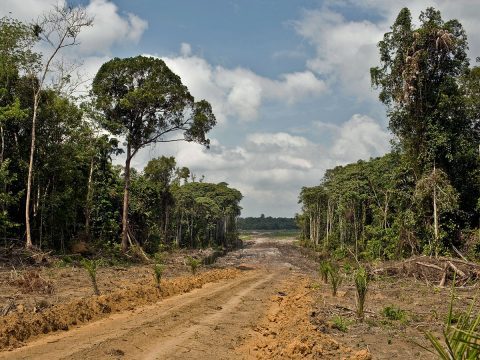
<point>264,301</point>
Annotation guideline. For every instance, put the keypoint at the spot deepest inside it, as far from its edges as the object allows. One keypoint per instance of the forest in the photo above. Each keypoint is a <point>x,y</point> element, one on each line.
<point>266,223</point>
<point>58,183</point>
<point>423,196</point>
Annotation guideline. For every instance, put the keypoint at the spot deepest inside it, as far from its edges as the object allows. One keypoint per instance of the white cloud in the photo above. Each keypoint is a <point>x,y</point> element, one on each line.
<point>109,28</point>
<point>360,138</point>
<point>27,10</point>
<point>239,93</point>
<point>344,49</point>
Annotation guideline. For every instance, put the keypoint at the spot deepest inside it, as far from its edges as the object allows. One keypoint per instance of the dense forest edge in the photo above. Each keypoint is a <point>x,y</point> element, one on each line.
<point>266,223</point>
<point>424,196</point>
<point>60,190</point>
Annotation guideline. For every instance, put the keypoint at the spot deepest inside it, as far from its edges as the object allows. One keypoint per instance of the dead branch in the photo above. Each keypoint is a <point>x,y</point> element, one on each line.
<point>432,266</point>
<point>457,270</point>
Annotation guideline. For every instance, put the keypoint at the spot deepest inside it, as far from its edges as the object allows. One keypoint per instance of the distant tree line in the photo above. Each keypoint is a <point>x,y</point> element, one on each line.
<point>423,196</point>
<point>58,185</point>
<point>266,223</point>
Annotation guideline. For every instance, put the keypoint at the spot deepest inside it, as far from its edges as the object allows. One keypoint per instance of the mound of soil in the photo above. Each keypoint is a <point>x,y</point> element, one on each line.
<point>18,327</point>
<point>287,332</point>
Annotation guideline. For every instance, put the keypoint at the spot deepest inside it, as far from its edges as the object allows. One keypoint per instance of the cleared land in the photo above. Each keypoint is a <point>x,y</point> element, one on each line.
<point>263,301</point>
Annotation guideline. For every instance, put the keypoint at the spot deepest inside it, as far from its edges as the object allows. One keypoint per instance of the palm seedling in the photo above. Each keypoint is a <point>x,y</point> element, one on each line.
<point>361,284</point>
<point>193,263</point>
<point>91,267</point>
<point>462,340</point>
<point>158,272</point>
<point>335,279</point>
<point>323,270</point>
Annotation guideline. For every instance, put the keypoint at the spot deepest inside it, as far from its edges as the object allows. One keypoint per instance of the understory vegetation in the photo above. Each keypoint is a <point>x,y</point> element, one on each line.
<point>60,189</point>
<point>423,196</point>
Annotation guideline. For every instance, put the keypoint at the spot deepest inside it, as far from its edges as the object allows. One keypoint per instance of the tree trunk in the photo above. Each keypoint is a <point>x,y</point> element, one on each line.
<point>435,219</point>
<point>311,227</point>
<point>125,200</point>
<point>88,207</point>
<point>29,243</point>
<point>385,212</point>
<point>166,226</point>
<point>355,230</point>
<point>3,144</point>
<point>179,236</point>
<point>329,223</point>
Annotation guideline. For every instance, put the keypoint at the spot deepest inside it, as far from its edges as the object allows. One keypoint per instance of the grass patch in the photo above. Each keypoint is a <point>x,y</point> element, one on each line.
<point>394,313</point>
<point>340,323</point>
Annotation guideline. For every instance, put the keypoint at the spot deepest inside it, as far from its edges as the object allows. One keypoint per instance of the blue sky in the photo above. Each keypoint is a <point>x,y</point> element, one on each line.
<point>288,80</point>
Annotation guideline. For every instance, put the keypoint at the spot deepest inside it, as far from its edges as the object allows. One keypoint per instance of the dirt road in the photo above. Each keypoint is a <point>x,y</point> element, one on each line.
<point>206,323</point>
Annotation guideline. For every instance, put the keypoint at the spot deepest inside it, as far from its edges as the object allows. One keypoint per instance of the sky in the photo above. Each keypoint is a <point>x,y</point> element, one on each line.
<point>288,80</point>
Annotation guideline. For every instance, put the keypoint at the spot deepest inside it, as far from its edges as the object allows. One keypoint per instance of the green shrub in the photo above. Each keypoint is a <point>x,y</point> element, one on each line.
<point>193,263</point>
<point>361,284</point>
<point>91,267</point>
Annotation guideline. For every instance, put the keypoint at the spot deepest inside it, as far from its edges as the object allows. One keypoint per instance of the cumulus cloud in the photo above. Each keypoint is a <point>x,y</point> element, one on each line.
<point>109,28</point>
<point>27,10</point>
<point>239,92</point>
<point>344,49</point>
<point>359,138</point>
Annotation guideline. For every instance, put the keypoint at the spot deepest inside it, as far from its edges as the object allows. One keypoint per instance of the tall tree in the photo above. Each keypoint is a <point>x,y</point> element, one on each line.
<point>418,82</point>
<point>59,28</point>
<point>145,102</point>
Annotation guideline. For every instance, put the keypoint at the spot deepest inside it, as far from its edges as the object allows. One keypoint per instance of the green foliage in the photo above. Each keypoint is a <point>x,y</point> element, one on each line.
<point>361,285</point>
<point>461,338</point>
<point>158,272</point>
<point>266,223</point>
<point>324,270</point>
<point>130,87</point>
<point>382,243</point>
<point>193,264</point>
<point>90,267</point>
<point>336,278</point>
<point>394,313</point>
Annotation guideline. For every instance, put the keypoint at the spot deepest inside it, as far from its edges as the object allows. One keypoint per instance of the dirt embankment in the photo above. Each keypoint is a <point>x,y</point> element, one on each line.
<point>20,326</point>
